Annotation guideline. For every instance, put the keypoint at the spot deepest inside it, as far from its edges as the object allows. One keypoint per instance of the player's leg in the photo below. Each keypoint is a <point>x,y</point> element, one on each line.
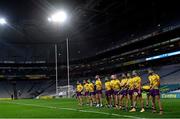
<point>130,97</point>
<point>157,96</point>
<point>108,95</point>
<point>116,99</point>
<point>85,98</point>
<point>153,96</point>
<point>80,100</point>
<point>90,100</point>
<point>153,104</point>
<point>100,99</point>
<point>142,103</point>
<point>147,101</point>
<point>77,96</point>
<point>126,102</point>
<point>97,100</point>
<point>93,98</point>
<point>107,99</point>
<point>134,99</point>
<point>110,101</point>
<point>120,101</point>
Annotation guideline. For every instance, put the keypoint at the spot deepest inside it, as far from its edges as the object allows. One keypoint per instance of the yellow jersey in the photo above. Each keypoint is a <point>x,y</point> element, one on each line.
<point>131,83</point>
<point>112,83</point>
<point>124,82</point>
<point>116,84</point>
<point>79,88</point>
<point>137,82</point>
<point>108,85</point>
<point>98,85</point>
<point>91,87</point>
<point>154,81</point>
<point>86,87</point>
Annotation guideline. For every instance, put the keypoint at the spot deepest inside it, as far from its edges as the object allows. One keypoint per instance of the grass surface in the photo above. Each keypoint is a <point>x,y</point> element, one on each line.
<point>68,108</point>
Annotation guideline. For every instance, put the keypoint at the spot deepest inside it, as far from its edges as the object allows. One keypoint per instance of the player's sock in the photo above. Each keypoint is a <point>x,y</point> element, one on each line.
<point>154,110</point>
<point>120,107</point>
<point>161,112</point>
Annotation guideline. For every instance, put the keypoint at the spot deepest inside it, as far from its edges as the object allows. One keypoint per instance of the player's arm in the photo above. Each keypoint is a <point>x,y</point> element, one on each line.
<point>140,85</point>
<point>119,83</point>
<point>127,84</point>
<point>81,88</point>
<point>158,78</point>
<point>150,83</point>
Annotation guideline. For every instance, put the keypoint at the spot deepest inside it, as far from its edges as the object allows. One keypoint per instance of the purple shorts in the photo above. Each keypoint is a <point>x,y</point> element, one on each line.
<point>112,91</point>
<point>116,92</point>
<point>78,94</point>
<point>137,91</point>
<point>154,92</point>
<point>92,93</point>
<point>108,93</point>
<point>130,92</point>
<point>86,93</point>
<point>98,91</point>
<point>123,92</point>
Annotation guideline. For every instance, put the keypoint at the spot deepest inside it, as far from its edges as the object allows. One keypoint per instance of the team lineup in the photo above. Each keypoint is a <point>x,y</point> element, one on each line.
<point>121,93</point>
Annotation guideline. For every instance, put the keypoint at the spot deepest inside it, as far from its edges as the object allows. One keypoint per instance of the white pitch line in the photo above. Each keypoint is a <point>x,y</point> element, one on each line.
<point>72,109</point>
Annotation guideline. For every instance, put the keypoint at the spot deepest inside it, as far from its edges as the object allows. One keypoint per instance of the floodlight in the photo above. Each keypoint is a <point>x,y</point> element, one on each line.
<point>49,19</point>
<point>3,21</point>
<point>60,16</point>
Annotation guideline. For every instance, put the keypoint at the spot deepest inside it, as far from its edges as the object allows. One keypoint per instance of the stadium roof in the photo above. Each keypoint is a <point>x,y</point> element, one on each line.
<point>93,25</point>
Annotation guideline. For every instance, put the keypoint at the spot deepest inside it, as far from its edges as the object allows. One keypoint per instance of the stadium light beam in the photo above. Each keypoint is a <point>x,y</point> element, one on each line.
<point>3,21</point>
<point>58,17</point>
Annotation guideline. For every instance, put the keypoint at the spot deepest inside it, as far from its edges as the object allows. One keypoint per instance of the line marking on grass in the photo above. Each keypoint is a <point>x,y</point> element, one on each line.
<point>72,109</point>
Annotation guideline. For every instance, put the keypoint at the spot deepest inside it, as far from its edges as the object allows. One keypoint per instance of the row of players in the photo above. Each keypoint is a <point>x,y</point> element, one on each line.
<point>127,89</point>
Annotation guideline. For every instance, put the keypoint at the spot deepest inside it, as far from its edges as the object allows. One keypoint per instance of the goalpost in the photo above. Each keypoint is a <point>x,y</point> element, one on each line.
<point>68,87</point>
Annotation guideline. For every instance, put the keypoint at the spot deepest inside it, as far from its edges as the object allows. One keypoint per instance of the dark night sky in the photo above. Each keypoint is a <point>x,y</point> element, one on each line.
<point>93,25</point>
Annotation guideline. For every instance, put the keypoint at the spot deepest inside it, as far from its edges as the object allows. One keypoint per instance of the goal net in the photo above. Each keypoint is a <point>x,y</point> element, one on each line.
<point>63,91</point>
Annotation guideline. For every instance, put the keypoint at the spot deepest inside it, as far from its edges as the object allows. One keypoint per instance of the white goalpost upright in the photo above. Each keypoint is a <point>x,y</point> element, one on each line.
<point>67,46</point>
<point>56,68</point>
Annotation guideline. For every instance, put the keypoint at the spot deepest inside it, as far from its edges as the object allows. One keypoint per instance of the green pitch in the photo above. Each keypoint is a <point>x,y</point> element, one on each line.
<point>68,108</point>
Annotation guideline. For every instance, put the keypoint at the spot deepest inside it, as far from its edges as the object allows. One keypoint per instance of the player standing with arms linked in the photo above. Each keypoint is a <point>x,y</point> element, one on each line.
<point>154,80</point>
<point>130,89</point>
<point>116,88</point>
<point>108,92</point>
<point>123,92</point>
<point>79,90</point>
<point>91,93</point>
<point>86,92</point>
<point>98,84</point>
<point>137,94</point>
